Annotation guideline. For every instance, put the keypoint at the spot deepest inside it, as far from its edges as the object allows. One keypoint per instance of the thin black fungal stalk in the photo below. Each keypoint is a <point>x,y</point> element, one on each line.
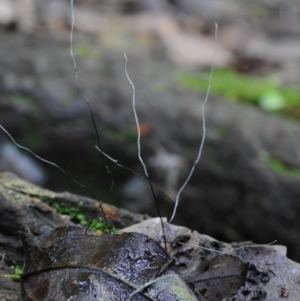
<point>115,161</point>
<point>90,110</point>
<point>139,148</point>
<point>203,127</point>
<point>58,167</point>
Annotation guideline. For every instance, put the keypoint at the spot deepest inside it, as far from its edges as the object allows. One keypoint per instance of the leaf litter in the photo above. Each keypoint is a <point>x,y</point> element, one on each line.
<point>74,264</point>
<point>258,272</point>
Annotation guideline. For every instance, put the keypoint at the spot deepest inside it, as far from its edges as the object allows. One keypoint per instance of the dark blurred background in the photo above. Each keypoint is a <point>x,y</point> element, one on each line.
<point>247,184</point>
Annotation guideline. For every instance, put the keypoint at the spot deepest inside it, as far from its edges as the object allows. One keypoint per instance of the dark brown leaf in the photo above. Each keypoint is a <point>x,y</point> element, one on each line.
<point>69,265</point>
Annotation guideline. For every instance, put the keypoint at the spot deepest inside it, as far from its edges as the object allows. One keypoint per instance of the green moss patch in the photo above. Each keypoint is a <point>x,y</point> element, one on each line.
<point>17,272</point>
<point>77,216</point>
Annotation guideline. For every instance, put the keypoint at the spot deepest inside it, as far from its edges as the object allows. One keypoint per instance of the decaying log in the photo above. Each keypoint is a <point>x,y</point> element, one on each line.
<point>25,206</point>
<point>270,274</point>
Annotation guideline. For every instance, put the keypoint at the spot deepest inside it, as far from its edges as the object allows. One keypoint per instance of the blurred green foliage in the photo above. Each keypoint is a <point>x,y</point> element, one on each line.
<point>263,92</point>
<point>220,131</point>
<point>84,49</point>
<point>21,99</point>
<point>278,165</point>
<point>33,139</point>
<point>119,135</point>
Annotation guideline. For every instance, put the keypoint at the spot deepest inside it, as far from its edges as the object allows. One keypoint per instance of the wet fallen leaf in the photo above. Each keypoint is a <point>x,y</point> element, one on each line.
<point>69,265</point>
<point>218,278</point>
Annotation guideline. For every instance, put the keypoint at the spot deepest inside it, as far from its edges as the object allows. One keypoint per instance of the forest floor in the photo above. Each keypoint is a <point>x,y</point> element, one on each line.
<point>246,186</point>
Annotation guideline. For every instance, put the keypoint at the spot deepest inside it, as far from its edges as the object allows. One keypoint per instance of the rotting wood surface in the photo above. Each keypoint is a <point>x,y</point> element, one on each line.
<point>269,274</point>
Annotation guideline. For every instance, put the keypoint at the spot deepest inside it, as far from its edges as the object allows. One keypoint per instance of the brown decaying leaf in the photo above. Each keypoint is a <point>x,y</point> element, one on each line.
<point>69,265</point>
<point>219,277</point>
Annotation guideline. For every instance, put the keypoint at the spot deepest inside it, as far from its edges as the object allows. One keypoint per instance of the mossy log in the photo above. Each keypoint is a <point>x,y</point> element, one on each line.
<point>269,275</point>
